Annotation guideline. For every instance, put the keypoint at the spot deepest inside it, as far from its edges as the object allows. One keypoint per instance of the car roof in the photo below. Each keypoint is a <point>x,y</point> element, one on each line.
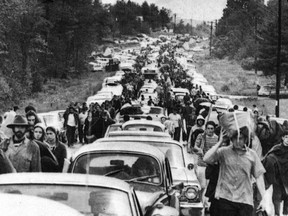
<point>134,134</point>
<point>64,178</point>
<point>24,205</point>
<point>143,122</point>
<point>140,139</point>
<point>137,148</point>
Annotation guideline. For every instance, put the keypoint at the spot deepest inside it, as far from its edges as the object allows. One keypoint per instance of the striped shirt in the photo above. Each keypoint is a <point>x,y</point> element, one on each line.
<point>205,142</point>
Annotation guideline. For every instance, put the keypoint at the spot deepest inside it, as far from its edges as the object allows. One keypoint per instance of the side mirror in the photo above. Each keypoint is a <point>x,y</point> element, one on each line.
<point>161,210</point>
<point>178,186</point>
<point>190,166</point>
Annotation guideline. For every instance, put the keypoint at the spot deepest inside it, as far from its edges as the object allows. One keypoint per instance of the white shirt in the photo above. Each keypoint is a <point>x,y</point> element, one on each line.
<point>82,117</point>
<point>71,120</point>
<point>175,119</point>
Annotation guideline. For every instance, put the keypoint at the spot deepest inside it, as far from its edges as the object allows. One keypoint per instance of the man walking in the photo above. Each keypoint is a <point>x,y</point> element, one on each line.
<point>71,121</point>
<point>238,165</point>
<point>23,153</point>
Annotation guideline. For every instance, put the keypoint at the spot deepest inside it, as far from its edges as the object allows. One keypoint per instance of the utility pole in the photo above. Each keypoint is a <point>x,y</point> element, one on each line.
<point>256,43</point>
<point>278,75</point>
<point>191,27</point>
<point>216,26</point>
<point>174,22</point>
<point>211,37</point>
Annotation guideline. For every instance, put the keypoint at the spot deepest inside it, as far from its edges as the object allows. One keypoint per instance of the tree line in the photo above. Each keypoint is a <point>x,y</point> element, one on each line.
<point>248,32</point>
<point>40,39</point>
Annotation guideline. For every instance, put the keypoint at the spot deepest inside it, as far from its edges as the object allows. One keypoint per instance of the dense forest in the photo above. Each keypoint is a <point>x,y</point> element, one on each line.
<point>40,39</point>
<point>247,32</point>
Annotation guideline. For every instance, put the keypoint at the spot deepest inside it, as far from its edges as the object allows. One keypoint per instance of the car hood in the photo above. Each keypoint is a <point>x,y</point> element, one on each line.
<point>148,198</point>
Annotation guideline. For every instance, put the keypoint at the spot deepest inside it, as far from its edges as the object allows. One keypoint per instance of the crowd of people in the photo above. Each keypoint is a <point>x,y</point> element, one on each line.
<point>229,165</point>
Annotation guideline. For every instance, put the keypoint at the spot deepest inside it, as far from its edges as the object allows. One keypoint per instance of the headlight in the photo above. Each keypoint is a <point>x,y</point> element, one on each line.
<point>191,193</point>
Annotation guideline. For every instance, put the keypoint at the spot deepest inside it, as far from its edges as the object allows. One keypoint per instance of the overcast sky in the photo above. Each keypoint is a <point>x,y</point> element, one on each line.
<point>189,9</point>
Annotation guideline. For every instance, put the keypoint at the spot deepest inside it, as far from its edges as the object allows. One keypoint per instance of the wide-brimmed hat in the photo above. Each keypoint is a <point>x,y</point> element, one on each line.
<point>19,120</point>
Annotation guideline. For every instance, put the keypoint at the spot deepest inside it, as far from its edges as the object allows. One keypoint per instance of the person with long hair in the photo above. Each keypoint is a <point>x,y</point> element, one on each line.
<point>56,147</point>
<point>49,162</point>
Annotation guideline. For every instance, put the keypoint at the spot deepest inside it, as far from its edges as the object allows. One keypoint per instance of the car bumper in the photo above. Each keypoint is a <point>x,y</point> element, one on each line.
<point>193,209</point>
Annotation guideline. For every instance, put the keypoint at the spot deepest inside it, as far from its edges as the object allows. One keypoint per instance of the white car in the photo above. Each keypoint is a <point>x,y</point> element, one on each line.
<point>97,99</point>
<point>113,85</point>
<point>143,125</point>
<point>95,66</point>
<point>53,118</point>
<point>19,204</point>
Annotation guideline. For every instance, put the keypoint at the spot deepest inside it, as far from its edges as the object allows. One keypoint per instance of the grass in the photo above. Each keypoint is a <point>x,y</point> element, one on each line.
<point>58,93</point>
<point>229,78</point>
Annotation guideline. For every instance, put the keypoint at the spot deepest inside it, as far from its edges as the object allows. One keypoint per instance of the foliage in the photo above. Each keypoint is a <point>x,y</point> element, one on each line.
<point>131,17</point>
<point>268,45</point>
<point>235,31</point>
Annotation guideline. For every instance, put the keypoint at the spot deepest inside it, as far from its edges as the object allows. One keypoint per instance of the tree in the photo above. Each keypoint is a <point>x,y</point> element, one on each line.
<point>268,45</point>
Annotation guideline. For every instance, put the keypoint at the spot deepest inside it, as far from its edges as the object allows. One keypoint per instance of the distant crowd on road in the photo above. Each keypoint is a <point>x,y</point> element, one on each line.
<point>256,153</point>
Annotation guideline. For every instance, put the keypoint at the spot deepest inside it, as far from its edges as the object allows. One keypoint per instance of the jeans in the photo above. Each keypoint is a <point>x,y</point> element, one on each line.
<point>226,207</point>
<point>81,133</point>
<point>70,132</point>
<point>177,134</point>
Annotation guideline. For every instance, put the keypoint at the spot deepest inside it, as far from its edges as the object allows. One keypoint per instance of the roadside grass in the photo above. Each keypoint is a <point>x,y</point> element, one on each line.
<point>228,78</point>
<point>58,93</point>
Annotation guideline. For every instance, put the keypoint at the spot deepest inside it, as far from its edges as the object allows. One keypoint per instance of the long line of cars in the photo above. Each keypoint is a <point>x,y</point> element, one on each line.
<point>137,169</point>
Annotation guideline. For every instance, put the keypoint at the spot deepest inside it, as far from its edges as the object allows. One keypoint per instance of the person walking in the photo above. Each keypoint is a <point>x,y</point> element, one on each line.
<point>276,165</point>
<point>56,147</point>
<point>176,119</point>
<point>71,121</point>
<point>23,153</point>
<point>48,160</point>
<point>196,129</point>
<point>89,128</point>
<point>239,165</point>
<point>82,116</point>
<point>203,143</point>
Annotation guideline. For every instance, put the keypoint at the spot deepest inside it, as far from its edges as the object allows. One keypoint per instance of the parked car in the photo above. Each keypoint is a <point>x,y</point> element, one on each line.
<point>101,98</point>
<point>95,66</point>
<point>88,194</point>
<point>154,111</point>
<point>15,205</point>
<point>144,167</point>
<point>112,84</point>
<point>143,125</point>
<point>182,166</point>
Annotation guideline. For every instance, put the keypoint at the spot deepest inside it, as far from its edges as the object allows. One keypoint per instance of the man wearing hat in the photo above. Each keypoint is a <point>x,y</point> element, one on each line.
<point>22,152</point>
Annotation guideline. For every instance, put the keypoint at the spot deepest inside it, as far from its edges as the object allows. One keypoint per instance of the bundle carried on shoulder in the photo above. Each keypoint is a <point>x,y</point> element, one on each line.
<point>231,122</point>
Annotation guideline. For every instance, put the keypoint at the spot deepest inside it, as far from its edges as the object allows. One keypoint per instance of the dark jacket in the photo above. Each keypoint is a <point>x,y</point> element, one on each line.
<point>101,127</point>
<point>49,162</point>
<point>60,153</point>
<point>66,114</point>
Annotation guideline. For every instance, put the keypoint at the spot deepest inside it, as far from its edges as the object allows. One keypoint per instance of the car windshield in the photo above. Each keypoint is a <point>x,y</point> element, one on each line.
<point>136,168</point>
<point>143,128</point>
<point>156,110</point>
<point>85,199</point>
<point>131,111</point>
